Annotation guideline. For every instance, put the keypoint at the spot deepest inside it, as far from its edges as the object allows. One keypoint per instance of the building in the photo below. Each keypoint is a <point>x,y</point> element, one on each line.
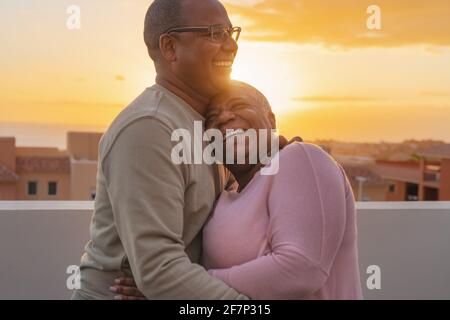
<point>83,150</point>
<point>366,183</point>
<point>48,173</point>
<point>435,173</point>
<point>427,179</point>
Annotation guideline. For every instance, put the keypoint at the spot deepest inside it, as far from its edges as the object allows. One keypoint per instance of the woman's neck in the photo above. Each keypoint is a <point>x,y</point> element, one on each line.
<point>198,102</point>
<point>244,174</point>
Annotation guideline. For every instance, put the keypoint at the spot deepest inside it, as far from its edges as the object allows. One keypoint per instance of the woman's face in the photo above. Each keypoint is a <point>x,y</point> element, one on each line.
<point>236,109</point>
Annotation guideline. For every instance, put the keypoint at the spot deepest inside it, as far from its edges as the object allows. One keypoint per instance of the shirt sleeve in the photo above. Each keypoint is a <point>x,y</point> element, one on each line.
<point>146,190</point>
<point>307,208</point>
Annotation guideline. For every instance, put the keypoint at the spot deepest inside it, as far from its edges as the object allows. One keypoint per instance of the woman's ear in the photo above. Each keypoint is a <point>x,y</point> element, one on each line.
<point>167,45</point>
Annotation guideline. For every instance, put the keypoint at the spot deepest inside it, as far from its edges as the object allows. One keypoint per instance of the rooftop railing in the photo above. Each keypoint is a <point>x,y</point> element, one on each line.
<point>404,248</point>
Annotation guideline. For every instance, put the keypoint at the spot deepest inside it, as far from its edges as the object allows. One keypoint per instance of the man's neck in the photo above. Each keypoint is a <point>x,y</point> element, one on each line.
<point>198,102</point>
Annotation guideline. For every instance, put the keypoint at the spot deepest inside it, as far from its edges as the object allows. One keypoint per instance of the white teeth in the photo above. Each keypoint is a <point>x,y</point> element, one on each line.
<point>233,133</point>
<point>226,64</point>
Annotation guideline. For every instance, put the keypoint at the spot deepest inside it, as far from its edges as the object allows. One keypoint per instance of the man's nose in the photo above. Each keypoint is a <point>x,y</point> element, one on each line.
<point>230,45</point>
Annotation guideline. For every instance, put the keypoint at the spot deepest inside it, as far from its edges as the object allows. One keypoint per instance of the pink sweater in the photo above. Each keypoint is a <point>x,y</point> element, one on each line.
<point>288,236</point>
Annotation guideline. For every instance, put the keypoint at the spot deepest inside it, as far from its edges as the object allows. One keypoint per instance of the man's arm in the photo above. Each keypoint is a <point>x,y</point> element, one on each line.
<point>146,190</point>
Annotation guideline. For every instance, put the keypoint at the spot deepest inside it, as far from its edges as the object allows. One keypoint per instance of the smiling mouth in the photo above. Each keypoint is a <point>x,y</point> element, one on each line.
<point>223,64</point>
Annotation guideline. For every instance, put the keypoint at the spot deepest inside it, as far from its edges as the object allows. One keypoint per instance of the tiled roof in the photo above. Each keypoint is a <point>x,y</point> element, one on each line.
<point>440,151</point>
<point>40,152</point>
<point>7,175</point>
<point>406,172</point>
<point>43,164</point>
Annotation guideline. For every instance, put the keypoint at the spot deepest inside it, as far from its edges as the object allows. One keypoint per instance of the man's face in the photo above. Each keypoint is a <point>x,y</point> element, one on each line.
<point>202,64</point>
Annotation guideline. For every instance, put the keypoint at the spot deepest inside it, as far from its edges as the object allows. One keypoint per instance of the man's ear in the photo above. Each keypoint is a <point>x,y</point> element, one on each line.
<point>273,121</point>
<point>167,45</point>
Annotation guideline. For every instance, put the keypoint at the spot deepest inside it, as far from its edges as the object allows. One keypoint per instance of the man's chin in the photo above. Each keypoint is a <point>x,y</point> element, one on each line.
<point>222,83</point>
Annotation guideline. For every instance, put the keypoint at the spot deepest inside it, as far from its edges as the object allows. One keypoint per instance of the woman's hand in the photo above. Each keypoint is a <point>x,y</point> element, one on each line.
<point>126,289</point>
<point>284,142</point>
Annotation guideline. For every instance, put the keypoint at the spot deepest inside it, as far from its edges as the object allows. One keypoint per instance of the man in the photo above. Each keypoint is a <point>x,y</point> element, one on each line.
<point>149,212</point>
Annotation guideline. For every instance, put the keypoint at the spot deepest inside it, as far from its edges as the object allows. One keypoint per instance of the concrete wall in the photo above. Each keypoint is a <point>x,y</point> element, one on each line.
<point>399,194</point>
<point>372,192</point>
<point>8,191</point>
<point>83,145</point>
<point>37,244</point>
<point>83,179</point>
<point>444,193</point>
<point>8,153</point>
<point>410,242</point>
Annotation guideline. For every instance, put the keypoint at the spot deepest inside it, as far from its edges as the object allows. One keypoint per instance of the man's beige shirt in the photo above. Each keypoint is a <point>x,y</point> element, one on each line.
<point>149,212</point>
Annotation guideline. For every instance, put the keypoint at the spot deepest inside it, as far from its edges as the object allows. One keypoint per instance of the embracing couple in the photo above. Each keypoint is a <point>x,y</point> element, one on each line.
<point>162,230</point>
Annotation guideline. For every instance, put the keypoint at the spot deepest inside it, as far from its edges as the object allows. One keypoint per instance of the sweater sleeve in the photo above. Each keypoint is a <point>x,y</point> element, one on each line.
<point>146,190</point>
<point>307,209</point>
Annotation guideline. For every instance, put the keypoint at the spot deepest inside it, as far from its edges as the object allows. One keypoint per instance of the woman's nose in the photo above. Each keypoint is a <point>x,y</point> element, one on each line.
<point>225,116</point>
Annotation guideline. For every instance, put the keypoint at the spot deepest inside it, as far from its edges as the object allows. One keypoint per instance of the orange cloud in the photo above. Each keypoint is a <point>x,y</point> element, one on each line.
<point>343,23</point>
<point>435,94</point>
<point>334,99</point>
<point>367,124</point>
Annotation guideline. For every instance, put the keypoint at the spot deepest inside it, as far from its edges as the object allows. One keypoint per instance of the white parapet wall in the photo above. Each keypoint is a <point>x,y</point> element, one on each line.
<point>409,243</point>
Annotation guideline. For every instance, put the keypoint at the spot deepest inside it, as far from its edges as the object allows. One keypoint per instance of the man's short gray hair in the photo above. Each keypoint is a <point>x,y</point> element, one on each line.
<point>161,16</point>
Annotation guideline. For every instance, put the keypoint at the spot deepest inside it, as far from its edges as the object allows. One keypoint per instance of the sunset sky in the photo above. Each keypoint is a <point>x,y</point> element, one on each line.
<point>325,74</point>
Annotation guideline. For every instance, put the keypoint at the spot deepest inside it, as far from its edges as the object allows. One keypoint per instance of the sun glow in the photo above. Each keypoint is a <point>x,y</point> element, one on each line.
<point>322,81</point>
<point>264,67</point>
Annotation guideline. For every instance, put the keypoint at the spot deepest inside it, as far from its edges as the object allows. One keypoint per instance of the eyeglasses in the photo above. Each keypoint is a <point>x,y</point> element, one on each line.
<point>217,33</point>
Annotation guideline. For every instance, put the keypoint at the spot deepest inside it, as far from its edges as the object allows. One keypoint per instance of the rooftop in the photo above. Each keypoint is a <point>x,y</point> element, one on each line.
<point>7,175</point>
<point>401,171</point>
<point>40,152</point>
<point>439,152</point>
<point>60,164</point>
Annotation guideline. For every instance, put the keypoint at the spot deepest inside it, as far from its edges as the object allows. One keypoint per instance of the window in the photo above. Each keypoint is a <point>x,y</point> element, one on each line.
<point>412,192</point>
<point>52,188</point>
<point>32,188</point>
<point>392,188</point>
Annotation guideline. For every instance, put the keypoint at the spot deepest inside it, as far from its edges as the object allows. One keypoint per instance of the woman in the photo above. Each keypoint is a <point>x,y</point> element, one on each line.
<point>291,235</point>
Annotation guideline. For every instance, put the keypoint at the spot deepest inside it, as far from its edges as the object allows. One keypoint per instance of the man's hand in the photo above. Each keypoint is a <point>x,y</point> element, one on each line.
<point>126,289</point>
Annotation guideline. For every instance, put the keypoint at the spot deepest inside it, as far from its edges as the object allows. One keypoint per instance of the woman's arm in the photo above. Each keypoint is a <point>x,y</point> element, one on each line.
<point>307,207</point>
